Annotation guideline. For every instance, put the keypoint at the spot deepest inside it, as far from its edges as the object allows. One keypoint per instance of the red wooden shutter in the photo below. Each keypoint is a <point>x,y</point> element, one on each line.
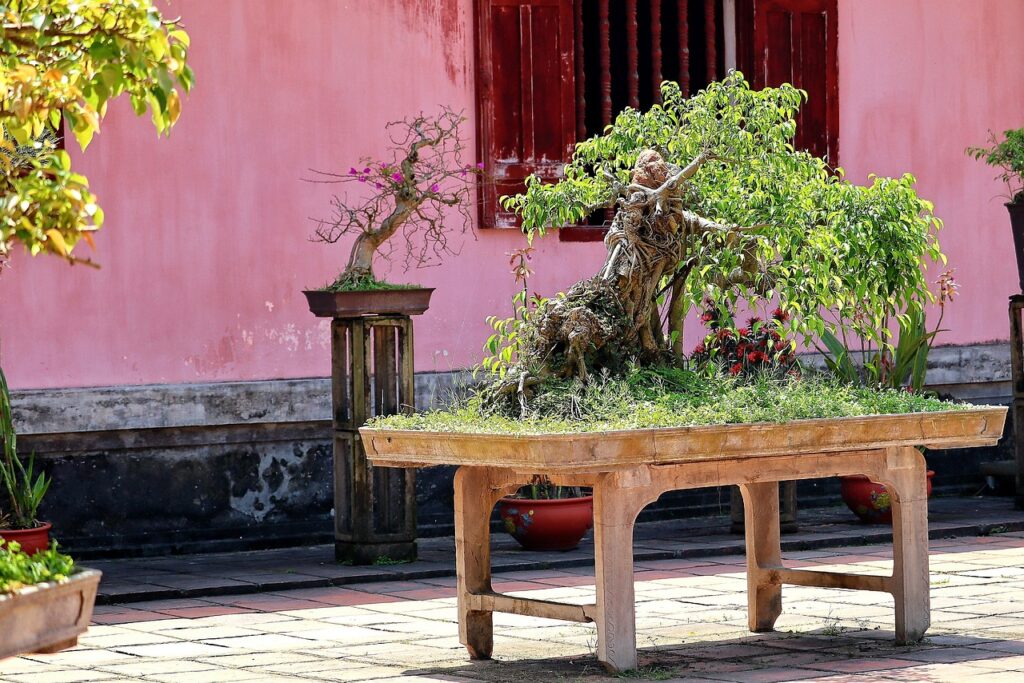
<point>526,96</point>
<point>795,42</point>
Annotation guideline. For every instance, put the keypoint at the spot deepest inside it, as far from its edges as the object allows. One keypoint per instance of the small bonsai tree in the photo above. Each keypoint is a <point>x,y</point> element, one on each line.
<point>712,203</point>
<point>1007,155</point>
<point>411,191</point>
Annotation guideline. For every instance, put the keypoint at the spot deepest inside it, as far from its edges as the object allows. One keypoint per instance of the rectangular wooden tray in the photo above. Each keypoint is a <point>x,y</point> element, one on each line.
<point>47,617</point>
<point>589,452</point>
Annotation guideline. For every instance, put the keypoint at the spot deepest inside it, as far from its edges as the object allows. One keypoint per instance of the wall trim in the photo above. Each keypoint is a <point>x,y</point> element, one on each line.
<point>975,371</point>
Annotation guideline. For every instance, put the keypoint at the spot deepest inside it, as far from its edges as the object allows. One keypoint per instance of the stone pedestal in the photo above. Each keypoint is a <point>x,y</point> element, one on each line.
<point>374,507</point>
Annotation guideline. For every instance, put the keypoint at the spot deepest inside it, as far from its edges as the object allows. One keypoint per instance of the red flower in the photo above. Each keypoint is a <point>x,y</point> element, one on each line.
<point>724,334</point>
<point>743,332</point>
<point>700,349</point>
<point>752,323</point>
<point>780,315</point>
<point>736,369</point>
<point>707,317</point>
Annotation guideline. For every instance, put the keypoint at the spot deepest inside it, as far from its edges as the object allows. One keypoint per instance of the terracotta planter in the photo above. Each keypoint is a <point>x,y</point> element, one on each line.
<point>556,524</point>
<point>31,540</point>
<point>47,617</point>
<point>375,302</point>
<point>868,500</point>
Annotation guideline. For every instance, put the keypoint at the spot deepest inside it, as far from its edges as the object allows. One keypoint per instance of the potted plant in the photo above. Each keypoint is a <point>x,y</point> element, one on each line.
<point>21,488</point>
<point>1007,155</point>
<point>414,190</point>
<point>868,500</point>
<point>46,602</point>
<point>543,516</point>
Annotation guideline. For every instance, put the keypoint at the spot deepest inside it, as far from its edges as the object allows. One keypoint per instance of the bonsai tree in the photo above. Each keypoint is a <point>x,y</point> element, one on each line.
<point>410,191</point>
<point>64,61</point>
<point>713,204</point>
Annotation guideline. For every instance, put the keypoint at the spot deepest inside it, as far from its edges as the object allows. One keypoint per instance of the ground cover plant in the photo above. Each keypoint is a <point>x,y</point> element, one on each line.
<point>648,397</point>
<point>18,569</point>
<point>414,190</point>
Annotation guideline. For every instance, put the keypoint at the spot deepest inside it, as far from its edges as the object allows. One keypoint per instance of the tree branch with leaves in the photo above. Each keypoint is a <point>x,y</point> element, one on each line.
<point>63,61</point>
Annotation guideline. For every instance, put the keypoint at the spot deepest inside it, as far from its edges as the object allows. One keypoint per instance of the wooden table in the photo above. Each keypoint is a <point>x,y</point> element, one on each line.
<point>629,470</point>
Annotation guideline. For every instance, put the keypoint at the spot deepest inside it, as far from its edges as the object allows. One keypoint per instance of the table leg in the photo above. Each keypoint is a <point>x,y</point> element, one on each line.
<point>614,516</point>
<point>473,503</point>
<point>761,511</point>
<point>908,487</point>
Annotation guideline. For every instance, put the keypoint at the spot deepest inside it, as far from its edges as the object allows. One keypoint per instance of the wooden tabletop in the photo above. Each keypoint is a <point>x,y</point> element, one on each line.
<point>597,451</point>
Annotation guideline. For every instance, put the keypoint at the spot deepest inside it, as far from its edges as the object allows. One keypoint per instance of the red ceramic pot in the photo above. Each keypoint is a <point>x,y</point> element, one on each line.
<point>556,524</point>
<point>868,500</point>
<point>31,540</point>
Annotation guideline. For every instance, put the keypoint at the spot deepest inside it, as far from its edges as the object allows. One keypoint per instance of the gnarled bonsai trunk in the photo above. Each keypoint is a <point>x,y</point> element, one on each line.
<point>612,319</point>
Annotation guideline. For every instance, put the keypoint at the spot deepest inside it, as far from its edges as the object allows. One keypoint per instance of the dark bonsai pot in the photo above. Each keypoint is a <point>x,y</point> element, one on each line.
<point>868,500</point>
<point>550,524</point>
<point>30,540</point>
<point>1016,210</point>
<point>413,301</point>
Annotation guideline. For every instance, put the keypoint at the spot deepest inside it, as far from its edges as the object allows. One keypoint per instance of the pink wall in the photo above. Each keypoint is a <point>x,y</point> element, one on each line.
<point>920,80</point>
<point>205,249</point>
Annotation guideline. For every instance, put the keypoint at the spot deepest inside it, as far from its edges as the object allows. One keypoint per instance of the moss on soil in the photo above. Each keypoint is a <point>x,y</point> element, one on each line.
<point>343,284</point>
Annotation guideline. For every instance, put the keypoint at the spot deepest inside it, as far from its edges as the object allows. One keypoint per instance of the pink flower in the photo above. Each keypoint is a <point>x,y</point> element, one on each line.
<point>397,177</point>
<point>435,187</point>
<point>353,171</point>
<point>378,185</point>
<point>366,170</point>
<point>480,165</point>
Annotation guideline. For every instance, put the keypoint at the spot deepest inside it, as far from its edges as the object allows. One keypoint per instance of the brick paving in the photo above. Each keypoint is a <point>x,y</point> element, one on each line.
<point>691,625</point>
<point>237,573</point>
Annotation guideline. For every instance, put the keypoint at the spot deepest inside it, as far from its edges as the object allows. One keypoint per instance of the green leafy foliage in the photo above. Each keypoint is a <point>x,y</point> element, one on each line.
<point>672,397</point>
<point>1006,154</point>
<point>18,569</point>
<point>24,488</point>
<point>70,58</point>
<point>837,255</point>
